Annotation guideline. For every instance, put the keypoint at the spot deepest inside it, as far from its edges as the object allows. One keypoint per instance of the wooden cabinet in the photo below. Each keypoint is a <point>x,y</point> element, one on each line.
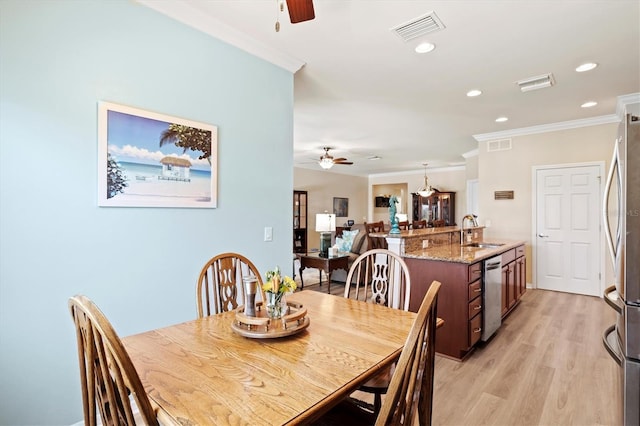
<point>514,277</point>
<point>521,271</point>
<point>300,221</point>
<point>438,206</point>
<point>459,302</point>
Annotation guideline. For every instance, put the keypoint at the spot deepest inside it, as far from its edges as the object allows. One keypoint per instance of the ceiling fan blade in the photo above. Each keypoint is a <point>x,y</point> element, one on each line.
<point>339,159</point>
<point>348,163</point>
<point>300,10</point>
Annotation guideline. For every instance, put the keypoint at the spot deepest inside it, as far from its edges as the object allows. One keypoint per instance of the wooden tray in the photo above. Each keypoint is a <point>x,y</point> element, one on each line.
<point>262,327</point>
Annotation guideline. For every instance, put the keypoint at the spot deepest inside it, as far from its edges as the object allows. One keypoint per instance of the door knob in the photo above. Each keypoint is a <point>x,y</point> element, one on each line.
<point>543,236</point>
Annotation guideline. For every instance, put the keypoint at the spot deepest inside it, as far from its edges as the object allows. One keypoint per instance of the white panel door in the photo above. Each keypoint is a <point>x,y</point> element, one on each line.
<point>568,229</point>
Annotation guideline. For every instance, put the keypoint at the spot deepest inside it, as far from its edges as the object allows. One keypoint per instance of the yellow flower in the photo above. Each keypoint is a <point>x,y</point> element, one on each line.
<point>290,284</point>
<point>277,284</point>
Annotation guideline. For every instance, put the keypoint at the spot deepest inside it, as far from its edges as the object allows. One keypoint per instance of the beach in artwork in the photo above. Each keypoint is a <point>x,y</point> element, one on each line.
<point>144,185</point>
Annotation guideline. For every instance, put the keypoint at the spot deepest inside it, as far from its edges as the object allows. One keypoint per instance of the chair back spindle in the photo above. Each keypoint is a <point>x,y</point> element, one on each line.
<point>219,287</point>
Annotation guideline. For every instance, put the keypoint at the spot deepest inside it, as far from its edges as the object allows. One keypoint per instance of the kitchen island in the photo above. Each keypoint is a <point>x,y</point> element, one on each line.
<point>460,302</point>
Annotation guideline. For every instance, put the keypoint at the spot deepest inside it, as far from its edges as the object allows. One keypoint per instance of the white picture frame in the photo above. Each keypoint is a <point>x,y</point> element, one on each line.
<point>148,159</point>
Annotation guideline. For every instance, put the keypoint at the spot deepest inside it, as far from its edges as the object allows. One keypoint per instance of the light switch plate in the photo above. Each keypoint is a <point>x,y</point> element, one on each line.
<point>268,233</point>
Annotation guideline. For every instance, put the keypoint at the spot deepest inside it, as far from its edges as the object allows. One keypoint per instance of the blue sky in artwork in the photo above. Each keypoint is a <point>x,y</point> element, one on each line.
<point>136,139</point>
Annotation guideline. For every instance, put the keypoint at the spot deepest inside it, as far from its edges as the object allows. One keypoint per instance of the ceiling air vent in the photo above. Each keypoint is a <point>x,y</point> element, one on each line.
<point>535,83</point>
<point>420,26</point>
<point>499,145</point>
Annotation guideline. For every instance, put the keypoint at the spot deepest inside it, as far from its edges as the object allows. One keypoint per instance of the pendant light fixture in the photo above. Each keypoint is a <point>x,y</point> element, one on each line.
<point>425,190</point>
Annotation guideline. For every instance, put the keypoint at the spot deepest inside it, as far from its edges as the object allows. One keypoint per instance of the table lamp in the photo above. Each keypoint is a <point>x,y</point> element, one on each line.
<point>325,224</point>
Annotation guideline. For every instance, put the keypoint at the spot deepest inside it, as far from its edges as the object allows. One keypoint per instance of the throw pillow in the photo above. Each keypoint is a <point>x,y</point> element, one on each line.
<point>358,241</point>
<point>347,240</point>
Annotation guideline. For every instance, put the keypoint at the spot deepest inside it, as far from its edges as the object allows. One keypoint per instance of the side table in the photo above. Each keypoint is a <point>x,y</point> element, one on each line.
<point>326,264</point>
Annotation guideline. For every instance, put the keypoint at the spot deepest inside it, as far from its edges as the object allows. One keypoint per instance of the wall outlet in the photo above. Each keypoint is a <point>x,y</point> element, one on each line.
<point>268,233</point>
<point>425,243</point>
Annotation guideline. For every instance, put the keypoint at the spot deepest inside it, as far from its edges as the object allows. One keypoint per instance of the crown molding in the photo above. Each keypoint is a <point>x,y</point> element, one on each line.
<point>188,15</point>
<point>624,101</point>
<point>469,154</point>
<point>544,128</point>
<point>621,106</point>
<point>420,172</point>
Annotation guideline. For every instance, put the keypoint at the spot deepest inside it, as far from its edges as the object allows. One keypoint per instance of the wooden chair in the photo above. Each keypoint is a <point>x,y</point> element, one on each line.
<point>220,283</point>
<point>438,223</point>
<point>419,224</point>
<point>107,374</point>
<point>375,227</point>
<point>411,389</point>
<point>404,225</point>
<point>410,392</point>
<point>379,276</point>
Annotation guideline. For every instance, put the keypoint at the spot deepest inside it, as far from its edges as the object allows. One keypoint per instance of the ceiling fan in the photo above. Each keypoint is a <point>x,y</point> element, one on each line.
<point>327,161</point>
<point>300,10</point>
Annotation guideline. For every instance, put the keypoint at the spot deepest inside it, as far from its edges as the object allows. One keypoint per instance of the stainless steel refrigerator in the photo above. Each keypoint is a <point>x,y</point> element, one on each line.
<point>621,217</point>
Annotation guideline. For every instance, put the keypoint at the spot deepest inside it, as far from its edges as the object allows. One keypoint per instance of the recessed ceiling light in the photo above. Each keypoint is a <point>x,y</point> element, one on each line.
<point>586,67</point>
<point>501,119</point>
<point>425,47</point>
<point>474,92</point>
<point>589,104</point>
<point>374,157</point>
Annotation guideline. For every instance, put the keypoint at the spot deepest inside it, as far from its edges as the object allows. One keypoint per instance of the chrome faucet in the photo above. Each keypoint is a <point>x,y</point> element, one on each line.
<point>474,224</point>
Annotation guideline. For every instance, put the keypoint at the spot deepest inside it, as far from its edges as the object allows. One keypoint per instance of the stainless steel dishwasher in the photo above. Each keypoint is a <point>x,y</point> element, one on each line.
<point>492,297</point>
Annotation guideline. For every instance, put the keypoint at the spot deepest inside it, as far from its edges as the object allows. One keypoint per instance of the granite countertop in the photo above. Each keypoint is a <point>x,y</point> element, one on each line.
<point>463,254</point>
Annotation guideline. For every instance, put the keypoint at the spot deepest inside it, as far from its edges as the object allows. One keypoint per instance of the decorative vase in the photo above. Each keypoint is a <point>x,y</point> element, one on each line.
<point>276,305</point>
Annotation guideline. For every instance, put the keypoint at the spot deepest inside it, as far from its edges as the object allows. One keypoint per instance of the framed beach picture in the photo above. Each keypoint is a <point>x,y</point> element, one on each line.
<point>146,159</point>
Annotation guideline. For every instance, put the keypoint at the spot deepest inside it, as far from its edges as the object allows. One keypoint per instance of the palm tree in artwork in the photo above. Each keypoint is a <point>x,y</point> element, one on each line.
<point>187,137</point>
<point>116,179</point>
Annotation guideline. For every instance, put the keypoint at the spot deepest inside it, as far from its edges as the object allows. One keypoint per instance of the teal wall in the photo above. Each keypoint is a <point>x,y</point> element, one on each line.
<point>58,59</point>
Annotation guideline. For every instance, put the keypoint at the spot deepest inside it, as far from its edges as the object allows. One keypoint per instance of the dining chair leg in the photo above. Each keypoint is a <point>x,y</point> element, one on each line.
<point>377,403</point>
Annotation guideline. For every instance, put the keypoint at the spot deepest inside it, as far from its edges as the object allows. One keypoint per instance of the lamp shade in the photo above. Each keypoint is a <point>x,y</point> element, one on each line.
<point>325,222</point>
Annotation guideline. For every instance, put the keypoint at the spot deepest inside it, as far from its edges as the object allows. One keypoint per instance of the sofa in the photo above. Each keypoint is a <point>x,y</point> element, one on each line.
<point>358,246</point>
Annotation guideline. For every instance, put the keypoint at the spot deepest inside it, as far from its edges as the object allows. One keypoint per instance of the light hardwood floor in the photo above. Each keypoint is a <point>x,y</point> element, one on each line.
<point>545,366</point>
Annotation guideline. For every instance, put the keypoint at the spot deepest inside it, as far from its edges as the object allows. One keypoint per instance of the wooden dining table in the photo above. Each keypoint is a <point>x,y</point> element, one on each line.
<point>201,372</point>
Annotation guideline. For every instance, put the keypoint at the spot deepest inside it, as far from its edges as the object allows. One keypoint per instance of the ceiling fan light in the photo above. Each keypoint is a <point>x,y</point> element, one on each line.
<point>326,163</point>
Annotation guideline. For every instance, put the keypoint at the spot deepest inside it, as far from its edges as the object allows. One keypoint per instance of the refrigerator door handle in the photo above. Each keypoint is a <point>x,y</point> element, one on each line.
<point>605,210</point>
<point>612,299</point>
<point>609,340</point>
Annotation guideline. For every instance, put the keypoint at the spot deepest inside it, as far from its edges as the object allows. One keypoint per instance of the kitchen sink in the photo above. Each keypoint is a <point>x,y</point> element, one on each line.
<point>483,245</point>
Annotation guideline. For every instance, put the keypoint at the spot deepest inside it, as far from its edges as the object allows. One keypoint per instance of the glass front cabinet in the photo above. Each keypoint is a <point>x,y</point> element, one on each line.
<point>437,206</point>
<point>299,221</point>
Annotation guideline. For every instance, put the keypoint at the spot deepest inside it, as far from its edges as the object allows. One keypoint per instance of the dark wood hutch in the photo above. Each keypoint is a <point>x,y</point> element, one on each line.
<point>437,206</point>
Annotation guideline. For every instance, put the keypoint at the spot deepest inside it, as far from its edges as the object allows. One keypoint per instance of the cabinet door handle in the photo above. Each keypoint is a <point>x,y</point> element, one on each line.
<point>477,307</point>
<point>477,330</point>
<point>477,290</point>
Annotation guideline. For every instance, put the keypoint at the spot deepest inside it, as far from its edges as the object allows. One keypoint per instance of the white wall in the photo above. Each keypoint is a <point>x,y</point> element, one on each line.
<point>58,59</point>
<point>321,187</point>
<point>512,170</point>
